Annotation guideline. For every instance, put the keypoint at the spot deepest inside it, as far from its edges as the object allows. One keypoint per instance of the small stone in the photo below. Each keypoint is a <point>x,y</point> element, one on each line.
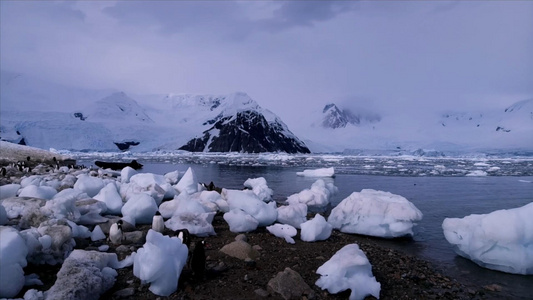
<point>124,293</point>
<point>122,248</point>
<point>257,247</point>
<point>320,258</point>
<point>241,237</point>
<point>493,287</point>
<point>290,285</point>
<point>261,293</point>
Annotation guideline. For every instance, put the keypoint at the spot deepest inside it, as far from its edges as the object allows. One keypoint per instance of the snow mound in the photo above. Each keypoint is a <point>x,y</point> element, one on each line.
<point>501,240</point>
<point>322,172</point>
<point>349,268</point>
<point>160,262</point>
<point>375,213</point>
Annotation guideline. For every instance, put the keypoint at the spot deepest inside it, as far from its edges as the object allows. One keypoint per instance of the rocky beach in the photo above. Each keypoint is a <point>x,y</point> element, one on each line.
<point>268,268</point>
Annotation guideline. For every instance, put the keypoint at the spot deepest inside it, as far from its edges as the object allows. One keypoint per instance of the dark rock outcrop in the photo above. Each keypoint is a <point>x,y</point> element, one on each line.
<point>246,132</point>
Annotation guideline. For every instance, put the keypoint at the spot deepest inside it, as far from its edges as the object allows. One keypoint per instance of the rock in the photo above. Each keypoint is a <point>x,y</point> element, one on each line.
<point>262,293</point>
<point>241,250</point>
<point>493,287</point>
<point>134,237</point>
<point>290,285</point>
<point>124,293</point>
<point>241,237</point>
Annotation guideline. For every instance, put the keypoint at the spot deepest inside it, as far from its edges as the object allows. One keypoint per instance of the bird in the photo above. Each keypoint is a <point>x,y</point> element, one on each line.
<point>184,236</point>
<point>115,233</point>
<point>198,260</point>
<point>158,224</point>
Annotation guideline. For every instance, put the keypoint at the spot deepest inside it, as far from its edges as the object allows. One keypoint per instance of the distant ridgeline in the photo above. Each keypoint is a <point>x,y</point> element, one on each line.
<point>247,132</point>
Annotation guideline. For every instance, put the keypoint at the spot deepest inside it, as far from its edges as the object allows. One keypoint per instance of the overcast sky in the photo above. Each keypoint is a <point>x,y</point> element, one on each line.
<point>386,55</point>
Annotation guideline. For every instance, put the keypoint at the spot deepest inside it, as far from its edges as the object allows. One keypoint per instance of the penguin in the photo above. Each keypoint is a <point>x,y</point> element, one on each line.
<point>3,172</point>
<point>184,236</point>
<point>198,260</point>
<point>115,233</point>
<point>158,224</point>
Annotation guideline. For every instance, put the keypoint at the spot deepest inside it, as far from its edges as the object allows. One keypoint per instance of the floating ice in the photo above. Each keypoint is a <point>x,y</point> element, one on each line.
<point>140,208</point>
<point>160,262</point>
<point>283,231</point>
<point>349,268</point>
<point>501,240</point>
<point>13,251</point>
<point>88,184</point>
<point>41,192</point>
<point>240,221</point>
<point>375,213</point>
<point>9,190</point>
<point>322,172</point>
<point>86,275</point>
<point>477,173</point>
<point>317,197</point>
<point>110,196</point>
<point>293,214</point>
<point>316,229</point>
<point>260,188</point>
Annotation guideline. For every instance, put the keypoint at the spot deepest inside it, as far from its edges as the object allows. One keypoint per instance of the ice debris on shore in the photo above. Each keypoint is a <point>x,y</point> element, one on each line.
<point>501,240</point>
<point>160,262</point>
<point>375,213</point>
<point>349,268</point>
<point>317,197</point>
<point>13,251</point>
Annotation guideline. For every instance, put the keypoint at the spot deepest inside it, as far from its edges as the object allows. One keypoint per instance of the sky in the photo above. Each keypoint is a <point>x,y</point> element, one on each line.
<point>290,56</point>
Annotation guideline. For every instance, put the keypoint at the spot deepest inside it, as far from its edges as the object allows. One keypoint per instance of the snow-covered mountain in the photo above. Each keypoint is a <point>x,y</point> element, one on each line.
<point>155,122</point>
<point>335,129</point>
<point>335,117</point>
<point>48,115</point>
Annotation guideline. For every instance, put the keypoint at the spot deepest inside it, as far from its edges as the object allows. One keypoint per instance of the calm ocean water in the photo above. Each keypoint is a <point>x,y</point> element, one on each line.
<point>436,196</point>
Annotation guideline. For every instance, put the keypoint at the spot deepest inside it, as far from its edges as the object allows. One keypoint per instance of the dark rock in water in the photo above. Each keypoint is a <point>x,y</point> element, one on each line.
<point>118,165</point>
<point>124,146</point>
<point>247,132</point>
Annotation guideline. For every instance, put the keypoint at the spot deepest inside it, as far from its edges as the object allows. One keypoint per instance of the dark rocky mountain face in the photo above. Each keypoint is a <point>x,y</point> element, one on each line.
<point>334,117</point>
<point>246,132</point>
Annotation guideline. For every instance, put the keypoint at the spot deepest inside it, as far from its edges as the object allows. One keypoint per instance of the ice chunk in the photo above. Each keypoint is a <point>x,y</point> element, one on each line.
<point>110,196</point>
<point>13,251</point>
<point>316,229</point>
<point>260,188</point>
<point>349,268</point>
<point>240,221</point>
<point>283,231</point>
<point>199,224</point>
<point>375,213</point>
<point>318,197</point>
<point>88,184</point>
<point>160,262</point>
<point>126,174</point>
<point>9,190</point>
<point>322,172</point>
<point>293,214</point>
<point>97,234</point>
<point>264,213</point>
<point>501,240</point>
<point>86,275</point>
<point>151,184</point>
<point>41,192</point>
<point>188,183</point>
<point>172,177</point>
<point>141,208</point>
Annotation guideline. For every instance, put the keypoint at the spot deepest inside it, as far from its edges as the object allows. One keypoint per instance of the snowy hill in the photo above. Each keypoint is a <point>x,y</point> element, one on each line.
<point>334,129</point>
<point>47,115</point>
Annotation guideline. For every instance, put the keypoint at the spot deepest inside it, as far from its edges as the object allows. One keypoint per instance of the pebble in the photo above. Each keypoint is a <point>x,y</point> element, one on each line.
<point>124,293</point>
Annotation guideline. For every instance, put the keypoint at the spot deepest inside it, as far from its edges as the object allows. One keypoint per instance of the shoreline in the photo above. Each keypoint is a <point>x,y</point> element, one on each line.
<point>401,275</point>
